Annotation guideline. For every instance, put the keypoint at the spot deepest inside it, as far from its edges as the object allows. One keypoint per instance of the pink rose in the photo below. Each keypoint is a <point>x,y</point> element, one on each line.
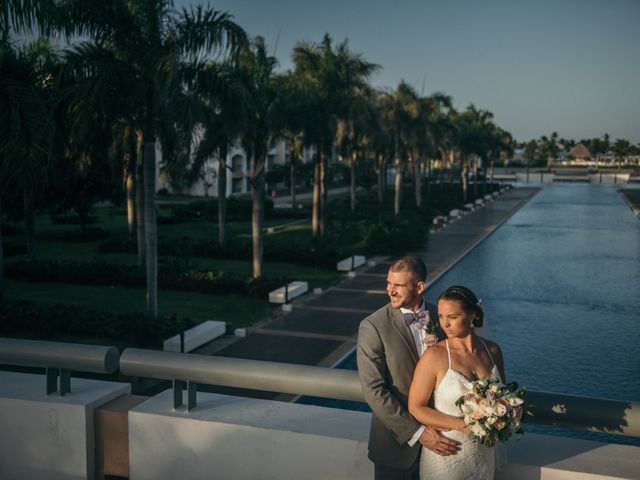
<point>430,340</point>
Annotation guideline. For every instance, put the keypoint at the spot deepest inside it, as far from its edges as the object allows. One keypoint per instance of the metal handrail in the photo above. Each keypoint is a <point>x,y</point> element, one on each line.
<point>59,359</point>
<point>239,373</point>
<point>585,413</point>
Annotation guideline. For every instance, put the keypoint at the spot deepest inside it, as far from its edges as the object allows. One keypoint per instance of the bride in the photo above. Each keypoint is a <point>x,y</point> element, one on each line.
<point>441,373</point>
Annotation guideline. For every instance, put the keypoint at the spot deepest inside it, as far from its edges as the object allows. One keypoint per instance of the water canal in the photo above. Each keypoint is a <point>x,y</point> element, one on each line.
<point>560,286</point>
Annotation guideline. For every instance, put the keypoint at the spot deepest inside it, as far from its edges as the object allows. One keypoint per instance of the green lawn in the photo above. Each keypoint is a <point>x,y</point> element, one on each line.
<point>236,310</point>
<point>52,242</point>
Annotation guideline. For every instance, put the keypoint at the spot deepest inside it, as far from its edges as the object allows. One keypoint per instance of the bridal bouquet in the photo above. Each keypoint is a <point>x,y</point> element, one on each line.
<point>492,410</point>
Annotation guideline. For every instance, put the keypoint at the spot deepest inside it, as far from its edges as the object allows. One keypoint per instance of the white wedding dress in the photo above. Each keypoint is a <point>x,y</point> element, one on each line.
<point>472,461</point>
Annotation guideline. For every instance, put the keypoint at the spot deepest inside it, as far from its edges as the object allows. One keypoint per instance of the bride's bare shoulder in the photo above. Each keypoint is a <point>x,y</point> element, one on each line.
<point>435,355</point>
<point>493,347</point>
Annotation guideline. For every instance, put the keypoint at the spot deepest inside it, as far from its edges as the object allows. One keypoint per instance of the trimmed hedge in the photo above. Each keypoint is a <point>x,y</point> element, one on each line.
<point>11,249</point>
<point>90,234</point>
<point>107,273</point>
<point>71,220</point>
<point>237,208</point>
<point>10,229</point>
<point>48,320</point>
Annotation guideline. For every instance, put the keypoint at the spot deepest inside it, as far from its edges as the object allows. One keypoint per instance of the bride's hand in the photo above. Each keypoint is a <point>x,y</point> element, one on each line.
<point>436,442</point>
<point>463,427</point>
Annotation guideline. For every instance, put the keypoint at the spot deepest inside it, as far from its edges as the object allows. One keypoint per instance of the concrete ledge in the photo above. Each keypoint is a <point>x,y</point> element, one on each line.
<point>242,438</point>
<point>293,290</point>
<point>196,336</point>
<point>548,457</point>
<point>350,263</point>
<point>50,437</point>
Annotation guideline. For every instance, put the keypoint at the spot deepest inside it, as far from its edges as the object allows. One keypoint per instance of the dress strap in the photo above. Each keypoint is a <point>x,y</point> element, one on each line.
<point>448,352</point>
<point>488,352</point>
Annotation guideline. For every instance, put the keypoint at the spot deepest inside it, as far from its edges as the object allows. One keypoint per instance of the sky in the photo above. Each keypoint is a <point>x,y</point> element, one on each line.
<point>570,66</point>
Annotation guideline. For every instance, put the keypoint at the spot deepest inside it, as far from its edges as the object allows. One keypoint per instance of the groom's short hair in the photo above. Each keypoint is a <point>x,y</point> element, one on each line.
<point>410,263</point>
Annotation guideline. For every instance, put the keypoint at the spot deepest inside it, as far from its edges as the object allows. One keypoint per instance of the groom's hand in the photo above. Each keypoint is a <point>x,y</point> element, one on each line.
<point>436,442</point>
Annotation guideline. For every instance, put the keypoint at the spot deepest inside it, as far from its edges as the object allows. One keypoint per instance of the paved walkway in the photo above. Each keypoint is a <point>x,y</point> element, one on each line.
<point>322,329</point>
<point>632,197</point>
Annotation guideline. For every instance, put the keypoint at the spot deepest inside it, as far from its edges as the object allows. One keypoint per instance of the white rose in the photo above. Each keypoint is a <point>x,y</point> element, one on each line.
<point>500,409</point>
<point>514,401</point>
<point>478,431</point>
<point>468,408</point>
<point>491,420</point>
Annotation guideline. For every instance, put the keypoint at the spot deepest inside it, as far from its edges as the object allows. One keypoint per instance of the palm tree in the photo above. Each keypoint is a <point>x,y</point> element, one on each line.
<point>401,115</point>
<point>25,126</point>
<point>263,91</point>
<point>530,152</point>
<point>221,119</point>
<point>335,75</point>
<point>141,53</point>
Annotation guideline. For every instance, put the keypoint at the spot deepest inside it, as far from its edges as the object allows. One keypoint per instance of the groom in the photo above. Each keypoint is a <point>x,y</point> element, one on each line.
<point>388,349</point>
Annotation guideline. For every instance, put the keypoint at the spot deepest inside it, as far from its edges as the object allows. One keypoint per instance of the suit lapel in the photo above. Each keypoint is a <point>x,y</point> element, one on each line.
<point>401,328</point>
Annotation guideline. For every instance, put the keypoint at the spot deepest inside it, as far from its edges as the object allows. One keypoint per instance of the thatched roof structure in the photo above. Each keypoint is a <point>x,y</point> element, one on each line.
<point>579,151</point>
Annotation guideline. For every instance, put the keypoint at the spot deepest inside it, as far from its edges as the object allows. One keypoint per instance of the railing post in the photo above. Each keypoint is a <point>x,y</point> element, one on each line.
<point>353,262</point>
<point>52,380</point>
<point>58,380</point>
<point>192,390</point>
<point>177,393</point>
<point>286,293</point>
<point>65,381</point>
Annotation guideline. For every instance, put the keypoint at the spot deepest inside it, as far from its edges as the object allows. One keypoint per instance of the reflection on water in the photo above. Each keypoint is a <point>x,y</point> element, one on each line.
<point>559,282</point>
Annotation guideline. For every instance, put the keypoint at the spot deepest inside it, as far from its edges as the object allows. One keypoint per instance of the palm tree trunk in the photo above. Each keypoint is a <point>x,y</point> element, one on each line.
<point>1,260</point>
<point>150,227</point>
<point>222,195</point>
<point>398,187</point>
<point>465,179</point>
<point>257,213</point>
<point>352,171</point>
<point>484,177</point>
<point>324,194</point>
<point>315,211</point>
<point>475,176</point>
<point>140,187</point>
<point>417,182</point>
<point>292,181</point>
<point>29,217</point>
<point>130,185</point>
<point>382,168</point>
<point>451,165</point>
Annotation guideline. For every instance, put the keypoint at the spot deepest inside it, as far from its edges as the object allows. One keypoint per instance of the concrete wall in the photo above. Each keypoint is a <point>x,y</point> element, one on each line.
<point>238,438</point>
<point>49,437</point>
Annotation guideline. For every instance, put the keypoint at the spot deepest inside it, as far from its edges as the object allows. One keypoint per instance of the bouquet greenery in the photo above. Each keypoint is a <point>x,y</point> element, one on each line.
<point>492,410</point>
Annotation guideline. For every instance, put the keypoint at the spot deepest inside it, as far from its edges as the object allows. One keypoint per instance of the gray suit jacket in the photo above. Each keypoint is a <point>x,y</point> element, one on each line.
<point>387,357</point>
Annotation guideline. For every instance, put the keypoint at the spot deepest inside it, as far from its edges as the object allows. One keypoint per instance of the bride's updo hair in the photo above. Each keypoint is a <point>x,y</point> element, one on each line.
<point>468,300</point>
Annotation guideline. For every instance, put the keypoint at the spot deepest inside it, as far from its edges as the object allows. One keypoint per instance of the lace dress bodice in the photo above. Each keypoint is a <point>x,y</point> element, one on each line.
<point>472,461</point>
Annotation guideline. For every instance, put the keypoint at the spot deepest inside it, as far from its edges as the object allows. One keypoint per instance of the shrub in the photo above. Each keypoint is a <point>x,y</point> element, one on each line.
<point>48,320</point>
<point>71,220</point>
<point>86,235</point>
<point>13,249</point>
<point>101,272</point>
<point>10,229</point>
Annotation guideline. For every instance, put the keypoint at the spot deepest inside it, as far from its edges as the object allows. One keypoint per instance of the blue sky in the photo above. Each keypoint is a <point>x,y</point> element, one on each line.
<point>567,65</point>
